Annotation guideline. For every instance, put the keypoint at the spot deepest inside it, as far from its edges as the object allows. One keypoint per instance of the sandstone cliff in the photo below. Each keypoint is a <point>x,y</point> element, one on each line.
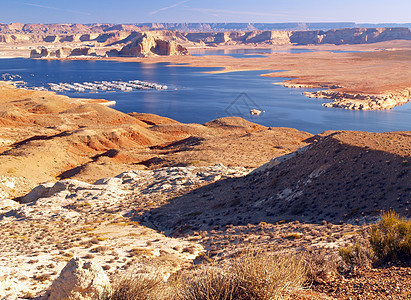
<point>241,37</point>
<point>125,34</point>
<point>52,29</point>
<point>350,36</point>
<point>334,36</point>
<point>62,52</point>
<point>148,45</point>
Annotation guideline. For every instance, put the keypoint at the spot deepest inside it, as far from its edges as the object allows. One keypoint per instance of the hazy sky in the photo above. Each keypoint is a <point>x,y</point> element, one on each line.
<point>270,11</point>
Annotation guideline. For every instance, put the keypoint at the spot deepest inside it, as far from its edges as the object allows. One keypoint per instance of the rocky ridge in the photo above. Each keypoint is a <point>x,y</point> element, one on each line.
<point>250,37</point>
<point>318,182</point>
<point>350,36</point>
<point>88,141</point>
<point>359,101</point>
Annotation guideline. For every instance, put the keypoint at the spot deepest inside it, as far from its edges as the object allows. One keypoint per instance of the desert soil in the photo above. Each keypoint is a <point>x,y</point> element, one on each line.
<point>179,194</point>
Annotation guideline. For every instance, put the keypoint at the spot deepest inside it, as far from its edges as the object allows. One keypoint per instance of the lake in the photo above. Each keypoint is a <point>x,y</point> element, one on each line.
<point>257,52</point>
<point>197,97</point>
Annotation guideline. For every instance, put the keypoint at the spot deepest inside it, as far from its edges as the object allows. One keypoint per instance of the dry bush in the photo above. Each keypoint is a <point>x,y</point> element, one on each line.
<point>321,266</point>
<point>389,243</point>
<point>253,275</point>
<point>264,276</point>
<point>357,255</point>
<point>390,239</point>
<point>207,283</point>
<point>138,287</point>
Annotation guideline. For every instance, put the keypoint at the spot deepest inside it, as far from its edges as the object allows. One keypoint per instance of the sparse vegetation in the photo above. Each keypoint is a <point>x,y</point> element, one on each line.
<point>264,276</point>
<point>139,287</point>
<point>390,239</point>
<point>320,266</point>
<point>251,275</point>
<point>389,243</point>
<point>357,255</point>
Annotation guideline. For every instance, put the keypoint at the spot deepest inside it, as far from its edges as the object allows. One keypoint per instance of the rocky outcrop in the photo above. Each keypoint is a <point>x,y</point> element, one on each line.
<point>334,36</point>
<point>84,51</point>
<point>79,280</point>
<point>62,52</point>
<point>254,37</point>
<point>38,53</point>
<point>226,27</point>
<point>52,29</point>
<point>361,101</point>
<point>350,36</point>
<point>238,37</point>
<point>147,45</point>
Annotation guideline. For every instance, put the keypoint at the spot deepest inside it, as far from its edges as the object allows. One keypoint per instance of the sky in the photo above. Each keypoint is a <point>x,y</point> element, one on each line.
<point>221,11</point>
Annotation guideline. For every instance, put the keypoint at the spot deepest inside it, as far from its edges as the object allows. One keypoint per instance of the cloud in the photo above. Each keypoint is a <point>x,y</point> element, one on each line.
<point>167,7</point>
<point>57,8</point>
<point>214,12</point>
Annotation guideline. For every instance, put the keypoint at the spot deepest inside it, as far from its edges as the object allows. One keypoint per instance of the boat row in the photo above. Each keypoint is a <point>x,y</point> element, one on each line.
<point>98,86</point>
<point>86,87</point>
<point>10,77</point>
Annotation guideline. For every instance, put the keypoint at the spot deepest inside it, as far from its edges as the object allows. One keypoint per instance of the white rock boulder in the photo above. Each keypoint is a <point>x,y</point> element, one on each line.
<point>79,280</point>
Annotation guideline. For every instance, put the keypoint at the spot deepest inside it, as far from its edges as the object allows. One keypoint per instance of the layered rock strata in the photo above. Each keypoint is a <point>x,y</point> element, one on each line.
<point>147,45</point>
<point>62,52</point>
<point>359,101</point>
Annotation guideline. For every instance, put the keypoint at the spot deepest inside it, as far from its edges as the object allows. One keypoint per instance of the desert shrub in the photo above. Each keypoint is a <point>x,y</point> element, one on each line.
<point>321,265</point>
<point>252,275</point>
<point>139,287</point>
<point>390,239</point>
<point>207,283</point>
<point>259,275</point>
<point>357,255</point>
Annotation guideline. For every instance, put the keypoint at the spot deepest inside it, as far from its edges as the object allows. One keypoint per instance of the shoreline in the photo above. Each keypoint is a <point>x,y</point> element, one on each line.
<point>318,69</point>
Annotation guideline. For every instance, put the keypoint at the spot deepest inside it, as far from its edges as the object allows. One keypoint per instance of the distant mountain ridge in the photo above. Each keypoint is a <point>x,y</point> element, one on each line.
<point>222,27</point>
<point>20,28</point>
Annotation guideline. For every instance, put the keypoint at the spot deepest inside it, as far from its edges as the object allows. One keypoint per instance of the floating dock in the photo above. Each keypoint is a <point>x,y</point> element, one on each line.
<point>88,87</point>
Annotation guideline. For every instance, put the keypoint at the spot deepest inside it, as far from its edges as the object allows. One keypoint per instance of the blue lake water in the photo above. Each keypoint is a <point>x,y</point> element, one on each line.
<point>197,97</point>
<point>256,52</point>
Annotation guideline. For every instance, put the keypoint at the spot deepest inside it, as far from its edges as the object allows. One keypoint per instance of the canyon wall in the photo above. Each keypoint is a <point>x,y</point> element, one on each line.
<point>123,34</point>
<point>240,37</point>
<point>339,36</point>
<point>54,29</point>
<point>350,36</point>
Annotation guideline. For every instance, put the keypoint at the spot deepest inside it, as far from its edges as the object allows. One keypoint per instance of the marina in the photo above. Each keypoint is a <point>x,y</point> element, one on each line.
<point>106,86</point>
<point>86,87</point>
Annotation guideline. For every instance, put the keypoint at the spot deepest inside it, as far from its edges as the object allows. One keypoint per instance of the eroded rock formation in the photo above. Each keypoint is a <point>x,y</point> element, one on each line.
<point>123,34</point>
<point>350,36</point>
<point>360,101</point>
<point>148,45</point>
<point>62,52</point>
<point>241,37</point>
